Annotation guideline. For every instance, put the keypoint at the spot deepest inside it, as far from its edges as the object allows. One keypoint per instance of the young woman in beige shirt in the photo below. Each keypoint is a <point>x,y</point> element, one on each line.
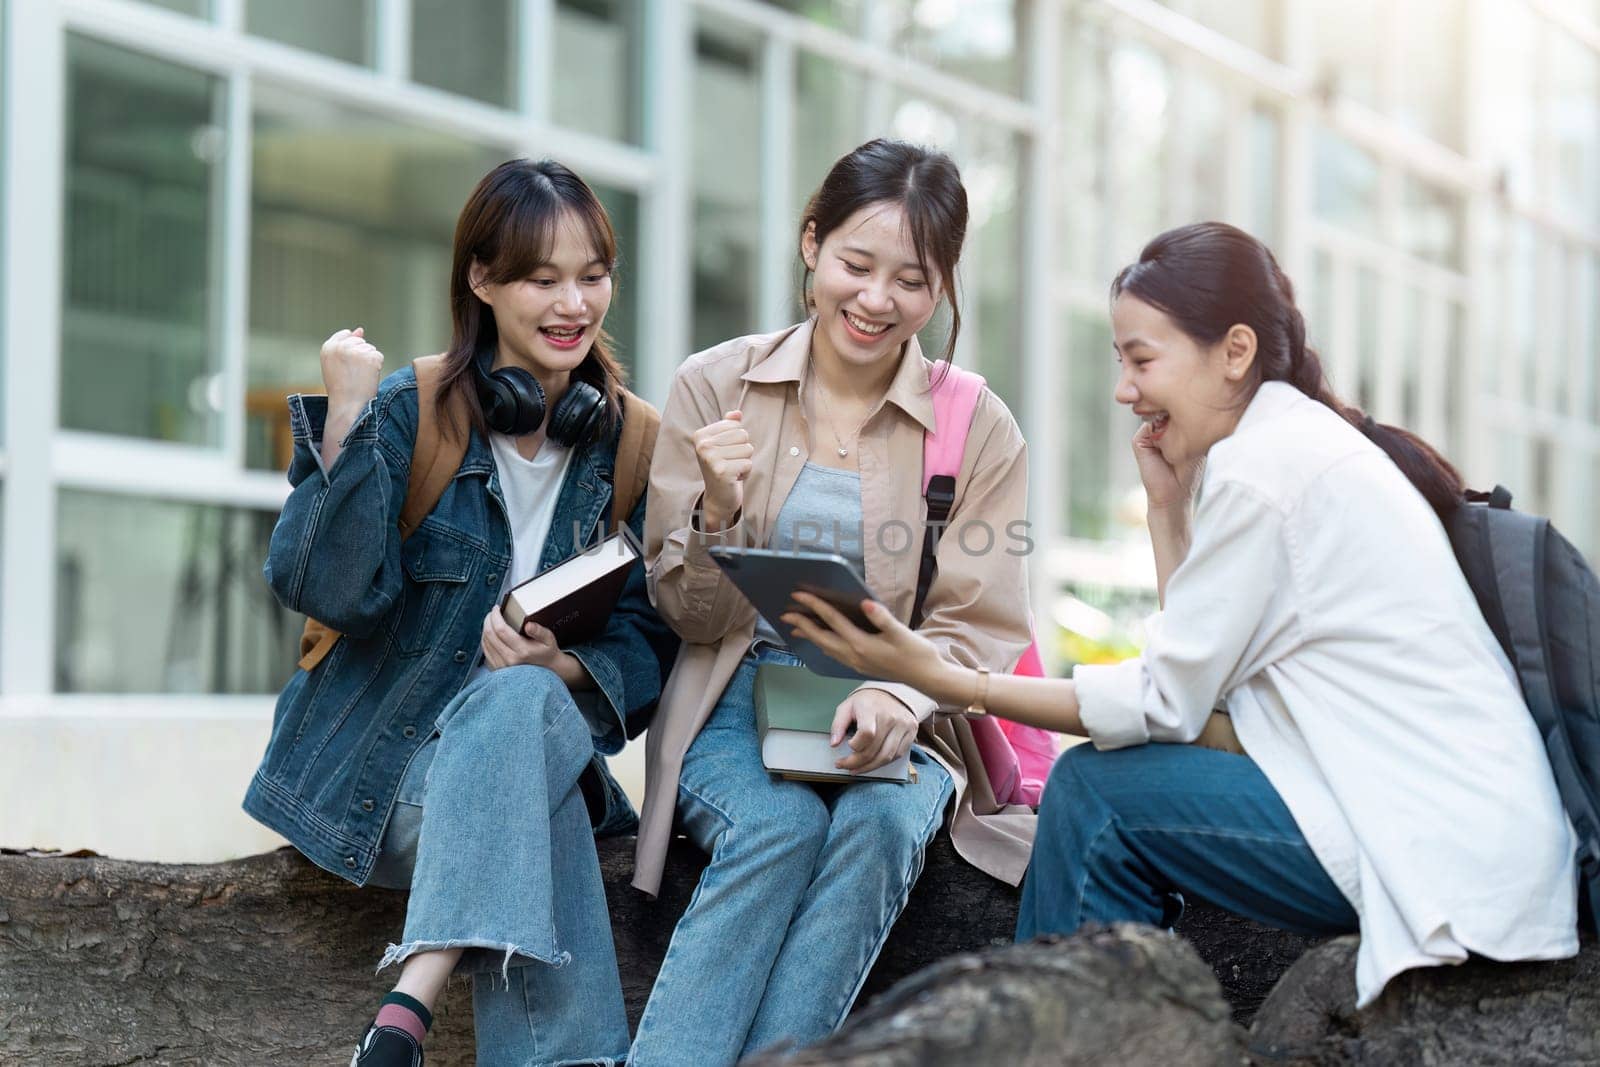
<point>820,426</point>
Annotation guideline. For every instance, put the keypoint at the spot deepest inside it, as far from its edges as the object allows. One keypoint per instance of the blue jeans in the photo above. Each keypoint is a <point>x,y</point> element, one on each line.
<point>491,833</point>
<point>1123,835</point>
<point>803,884</point>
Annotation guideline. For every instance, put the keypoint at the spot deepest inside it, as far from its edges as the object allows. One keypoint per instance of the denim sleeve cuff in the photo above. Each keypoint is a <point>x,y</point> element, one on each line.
<point>607,715</point>
<point>308,414</point>
<point>1110,703</point>
<point>308,417</point>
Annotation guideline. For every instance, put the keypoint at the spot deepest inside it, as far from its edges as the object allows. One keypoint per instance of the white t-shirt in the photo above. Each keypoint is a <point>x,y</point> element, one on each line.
<point>530,488</point>
<point>1321,599</point>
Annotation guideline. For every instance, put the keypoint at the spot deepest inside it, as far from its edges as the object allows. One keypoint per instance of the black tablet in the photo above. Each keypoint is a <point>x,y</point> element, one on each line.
<point>769,578</point>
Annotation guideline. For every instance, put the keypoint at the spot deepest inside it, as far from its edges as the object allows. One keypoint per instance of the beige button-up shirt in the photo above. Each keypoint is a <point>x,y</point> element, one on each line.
<point>976,611</point>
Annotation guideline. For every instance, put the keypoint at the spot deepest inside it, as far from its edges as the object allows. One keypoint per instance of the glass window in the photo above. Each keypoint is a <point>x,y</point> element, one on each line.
<point>1413,306</point>
<point>183,7</point>
<point>598,60</point>
<point>1588,346</point>
<point>1574,117</point>
<point>355,237</point>
<point>1510,464</point>
<point>991,271</point>
<point>206,621</point>
<point>144,144</point>
<point>1432,221</point>
<point>1593,547</point>
<point>1521,290</point>
<point>1319,310</point>
<point>622,321</point>
<point>1542,483</point>
<point>727,188</point>
<point>1429,94</point>
<point>1086,440</point>
<point>1205,119</point>
<point>1141,88</point>
<point>1266,146</point>
<point>466,48</point>
<point>1346,182</point>
<point>838,14</point>
<point>971,39</point>
<point>1344,46</point>
<point>340,29</point>
<point>1256,24</point>
<point>1367,368</point>
<point>827,120</point>
<point>1455,385</point>
<point>1079,173</point>
<point>1507,112</point>
<point>1583,10</point>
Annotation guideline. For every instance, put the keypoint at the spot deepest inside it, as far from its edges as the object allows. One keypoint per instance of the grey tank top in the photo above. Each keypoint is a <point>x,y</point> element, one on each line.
<point>821,514</point>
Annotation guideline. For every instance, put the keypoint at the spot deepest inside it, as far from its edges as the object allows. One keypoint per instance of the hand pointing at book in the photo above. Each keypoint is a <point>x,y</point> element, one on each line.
<point>883,729</point>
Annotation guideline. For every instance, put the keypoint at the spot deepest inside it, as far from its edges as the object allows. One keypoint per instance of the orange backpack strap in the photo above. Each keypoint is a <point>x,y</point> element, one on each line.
<point>440,446</point>
<point>637,444</point>
<point>436,455</point>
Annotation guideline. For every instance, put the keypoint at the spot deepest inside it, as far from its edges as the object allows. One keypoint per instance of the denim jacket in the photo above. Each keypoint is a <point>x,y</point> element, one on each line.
<point>411,614</point>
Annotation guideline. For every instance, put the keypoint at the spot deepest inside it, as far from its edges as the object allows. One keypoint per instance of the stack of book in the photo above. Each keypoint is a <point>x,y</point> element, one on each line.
<point>794,717</point>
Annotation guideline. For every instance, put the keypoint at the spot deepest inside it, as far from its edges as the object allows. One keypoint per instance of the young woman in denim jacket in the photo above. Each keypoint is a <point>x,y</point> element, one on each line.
<point>820,425</point>
<point>1393,779</point>
<point>435,748</point>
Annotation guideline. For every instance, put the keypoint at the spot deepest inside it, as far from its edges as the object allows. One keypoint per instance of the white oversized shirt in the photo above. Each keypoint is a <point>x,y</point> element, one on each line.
<point>1321,602</point>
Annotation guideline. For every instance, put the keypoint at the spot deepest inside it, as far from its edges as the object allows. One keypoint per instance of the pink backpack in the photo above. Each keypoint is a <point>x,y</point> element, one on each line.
<point>1016,758</point>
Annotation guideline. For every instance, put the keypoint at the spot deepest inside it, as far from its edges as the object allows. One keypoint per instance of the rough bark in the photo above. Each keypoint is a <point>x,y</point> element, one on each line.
<point>111,962</point>
<point>1480,1013</point>
<point>1125,994</point>
<point>105,961</point>
<point>263,960</point>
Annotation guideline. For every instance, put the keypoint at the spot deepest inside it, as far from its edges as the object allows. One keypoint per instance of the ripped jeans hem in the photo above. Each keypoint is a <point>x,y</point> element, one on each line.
<point>400,953</point>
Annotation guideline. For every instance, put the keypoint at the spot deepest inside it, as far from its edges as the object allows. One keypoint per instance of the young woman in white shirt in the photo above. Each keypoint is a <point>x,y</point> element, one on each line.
<point>1394,781</point>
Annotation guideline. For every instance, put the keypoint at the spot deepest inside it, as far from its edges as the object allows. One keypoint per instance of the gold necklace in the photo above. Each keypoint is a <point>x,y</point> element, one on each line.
<point>828,416</point>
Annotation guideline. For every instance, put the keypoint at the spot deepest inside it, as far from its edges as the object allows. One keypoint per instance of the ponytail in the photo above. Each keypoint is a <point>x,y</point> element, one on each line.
<point>1209,277</point>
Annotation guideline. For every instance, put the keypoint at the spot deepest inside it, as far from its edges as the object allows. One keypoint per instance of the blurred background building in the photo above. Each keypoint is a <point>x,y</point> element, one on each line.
<point>197,192</point>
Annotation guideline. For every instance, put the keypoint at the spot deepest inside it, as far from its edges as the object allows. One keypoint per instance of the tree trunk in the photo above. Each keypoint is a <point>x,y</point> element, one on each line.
<point>1120,995</point>
<point>1480,1013</point>
<point>268,958</point>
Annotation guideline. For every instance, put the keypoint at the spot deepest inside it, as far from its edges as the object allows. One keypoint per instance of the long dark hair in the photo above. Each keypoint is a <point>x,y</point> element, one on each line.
<point>927,186</point>
<point>1209,277</point>
<point>509,225</point>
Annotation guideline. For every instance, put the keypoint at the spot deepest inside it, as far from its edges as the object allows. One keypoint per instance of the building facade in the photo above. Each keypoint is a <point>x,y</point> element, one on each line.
<point>196,192</point>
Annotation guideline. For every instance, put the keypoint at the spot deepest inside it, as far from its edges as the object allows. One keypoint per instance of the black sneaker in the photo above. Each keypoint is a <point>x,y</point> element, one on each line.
<point>387,1046</point>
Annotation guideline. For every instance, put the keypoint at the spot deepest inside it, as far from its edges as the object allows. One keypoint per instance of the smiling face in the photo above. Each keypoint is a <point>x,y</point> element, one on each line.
<point>870,293</point>
<point>1191,394</point>
<point>549,320</point>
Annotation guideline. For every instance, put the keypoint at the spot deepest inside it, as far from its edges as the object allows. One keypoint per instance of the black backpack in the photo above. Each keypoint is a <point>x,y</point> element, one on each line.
<point>1543,603</point>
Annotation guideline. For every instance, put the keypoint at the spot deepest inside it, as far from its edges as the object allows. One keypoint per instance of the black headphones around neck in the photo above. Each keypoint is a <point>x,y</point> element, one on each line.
<point>513,403</point>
